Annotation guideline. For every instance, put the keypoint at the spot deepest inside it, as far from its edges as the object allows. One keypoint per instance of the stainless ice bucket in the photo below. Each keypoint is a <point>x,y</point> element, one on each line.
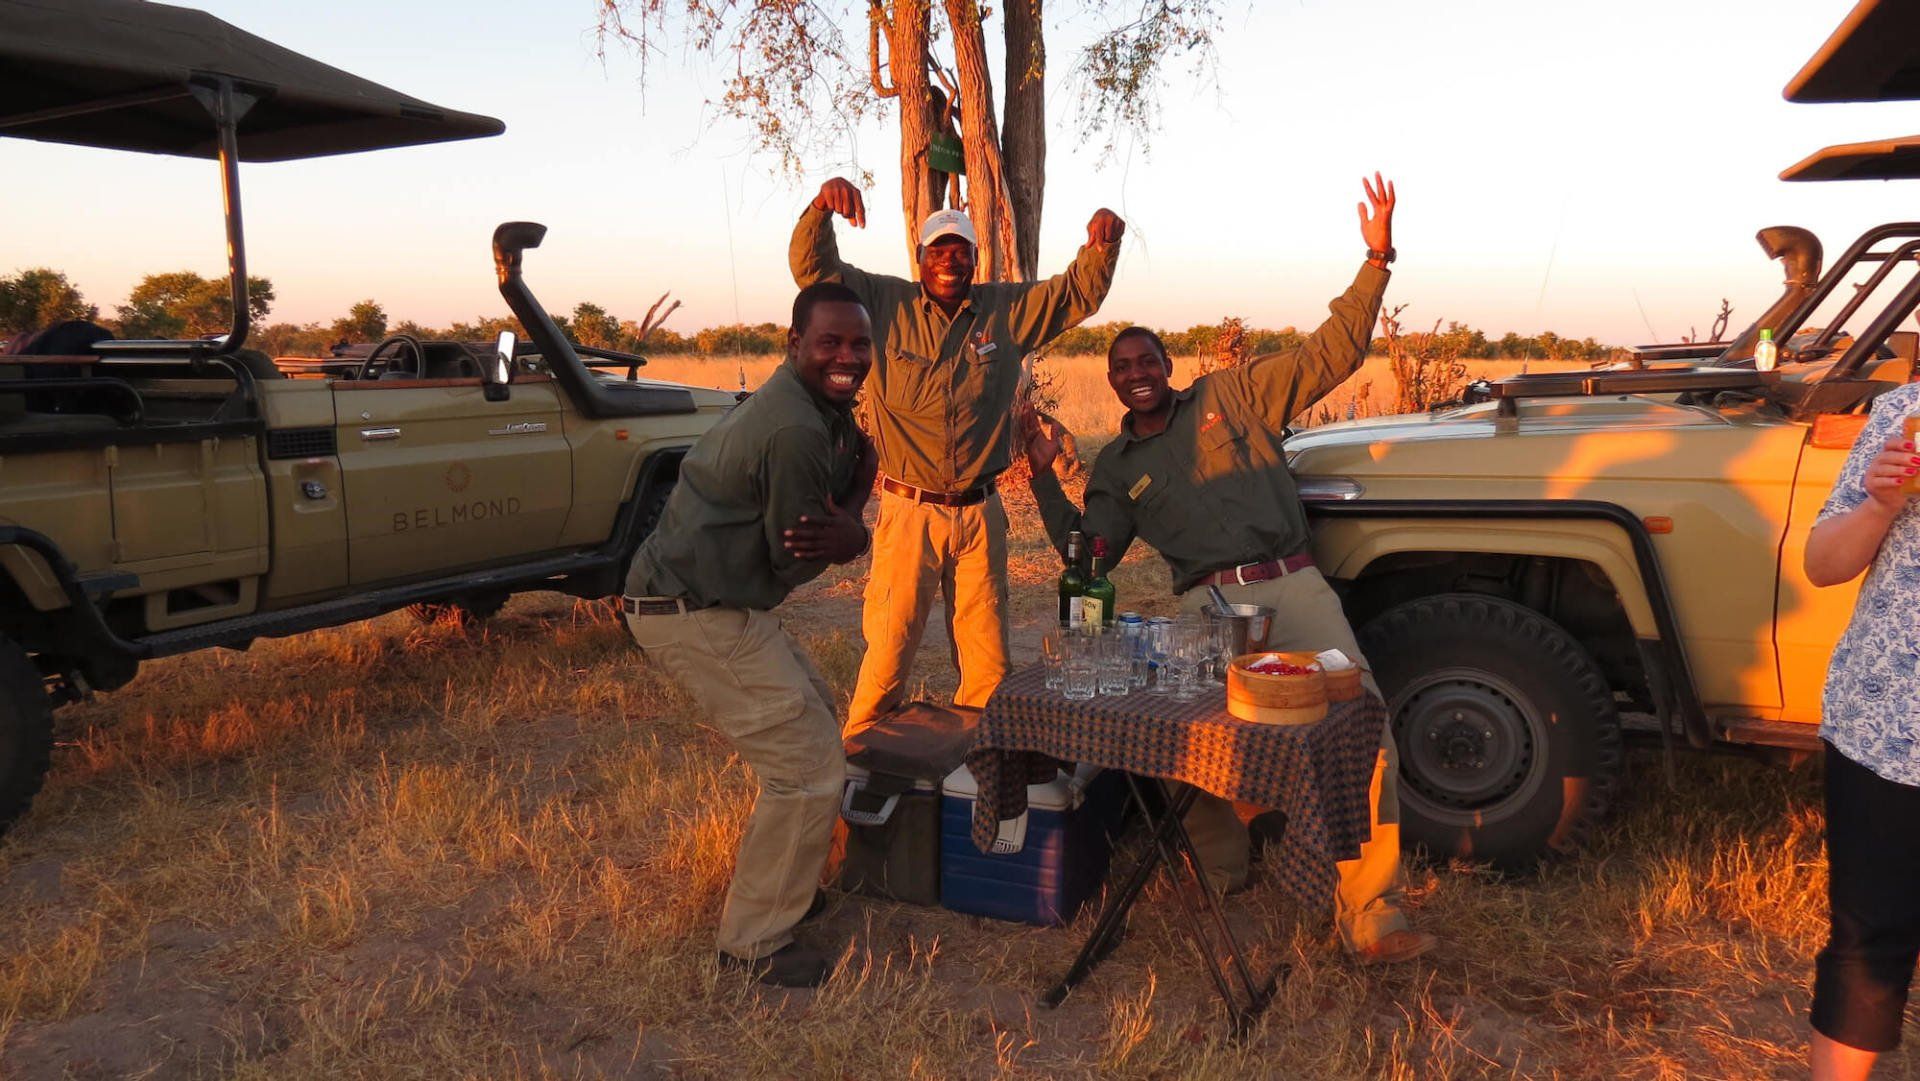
<point>1242,628</point>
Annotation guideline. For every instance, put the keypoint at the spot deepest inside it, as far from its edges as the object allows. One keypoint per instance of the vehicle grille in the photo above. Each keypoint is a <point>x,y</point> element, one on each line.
<point>300,443</point>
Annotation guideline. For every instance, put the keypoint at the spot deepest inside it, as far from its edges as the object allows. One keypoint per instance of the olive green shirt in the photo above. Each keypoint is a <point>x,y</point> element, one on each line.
<point>780,454</point>
<point>1212,491</point>
<point>942,387</point>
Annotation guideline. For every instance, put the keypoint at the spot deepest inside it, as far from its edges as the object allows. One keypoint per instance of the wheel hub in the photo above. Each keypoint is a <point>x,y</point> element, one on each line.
<point>1467,740</point>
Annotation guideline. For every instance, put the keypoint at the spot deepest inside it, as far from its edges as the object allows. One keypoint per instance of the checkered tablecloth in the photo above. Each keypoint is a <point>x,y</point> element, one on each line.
<point>1316,774</point>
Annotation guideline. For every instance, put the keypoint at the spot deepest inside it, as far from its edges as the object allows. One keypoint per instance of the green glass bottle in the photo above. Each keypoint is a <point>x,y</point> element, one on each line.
<point>1096,604</point>
<point>1073,583</point>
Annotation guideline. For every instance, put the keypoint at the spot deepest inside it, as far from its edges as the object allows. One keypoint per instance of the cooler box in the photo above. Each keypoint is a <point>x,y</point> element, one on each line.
<point>887,842</point>
<point>1070,825</point>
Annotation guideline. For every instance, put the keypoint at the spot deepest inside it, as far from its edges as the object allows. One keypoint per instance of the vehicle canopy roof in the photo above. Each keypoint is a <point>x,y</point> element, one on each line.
<point>1874,55</point>
<point>133,75</point>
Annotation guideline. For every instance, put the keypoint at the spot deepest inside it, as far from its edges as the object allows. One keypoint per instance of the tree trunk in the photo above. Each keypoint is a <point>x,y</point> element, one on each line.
<point>1024,141</point>
<point>907,33</point>
<point>987,201</point>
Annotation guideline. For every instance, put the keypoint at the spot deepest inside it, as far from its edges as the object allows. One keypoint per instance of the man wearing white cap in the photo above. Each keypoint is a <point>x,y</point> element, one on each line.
<point>947,365</point>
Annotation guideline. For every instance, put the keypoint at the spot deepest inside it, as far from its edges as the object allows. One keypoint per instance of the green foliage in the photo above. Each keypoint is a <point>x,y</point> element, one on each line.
<point>37,298</point>
<point>593,326</point>
<point>741,339</point>
<point>364,322</point>
<point>182,304</point>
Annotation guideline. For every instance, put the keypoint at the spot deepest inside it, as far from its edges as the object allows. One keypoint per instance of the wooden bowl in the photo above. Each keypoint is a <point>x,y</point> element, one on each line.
<point>1271,698</point>
<point>1343,684</point>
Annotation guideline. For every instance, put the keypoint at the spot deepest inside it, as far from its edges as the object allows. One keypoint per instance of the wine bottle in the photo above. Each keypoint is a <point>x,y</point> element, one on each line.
<point>1096,603</point>
<point>1073,583</point>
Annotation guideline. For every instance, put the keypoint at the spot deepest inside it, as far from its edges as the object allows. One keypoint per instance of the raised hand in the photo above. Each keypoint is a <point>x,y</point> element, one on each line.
<point>837,537</point>
<point>1377,229</point>
<point>1105,228</point>
<point>1042,437</point>
<point>839,196</point>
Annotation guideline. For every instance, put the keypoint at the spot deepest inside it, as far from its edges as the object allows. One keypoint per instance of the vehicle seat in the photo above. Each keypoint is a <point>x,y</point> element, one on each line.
<point>258,364</point>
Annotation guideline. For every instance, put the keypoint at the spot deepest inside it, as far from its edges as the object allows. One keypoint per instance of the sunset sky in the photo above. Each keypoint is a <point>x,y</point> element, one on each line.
<point>1588,169</point>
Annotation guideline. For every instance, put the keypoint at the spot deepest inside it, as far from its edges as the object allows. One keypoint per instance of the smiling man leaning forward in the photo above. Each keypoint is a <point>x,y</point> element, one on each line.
<point>948,366</point>
<point>1201,475</point>
<point>766,499</point>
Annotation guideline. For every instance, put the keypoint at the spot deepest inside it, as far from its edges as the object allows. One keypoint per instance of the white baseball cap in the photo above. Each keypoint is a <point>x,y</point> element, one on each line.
<point>947,223</point>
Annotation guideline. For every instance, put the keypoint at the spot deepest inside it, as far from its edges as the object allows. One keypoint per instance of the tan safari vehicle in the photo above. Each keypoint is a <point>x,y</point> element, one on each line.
<point>1559,549</point>
<point>158,497</point>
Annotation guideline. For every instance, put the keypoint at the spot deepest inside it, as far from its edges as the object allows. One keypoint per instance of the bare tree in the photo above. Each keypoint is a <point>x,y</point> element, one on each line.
<point>793,81</point>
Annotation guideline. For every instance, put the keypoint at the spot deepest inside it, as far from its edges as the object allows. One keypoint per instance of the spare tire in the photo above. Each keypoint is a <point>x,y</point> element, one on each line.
<point>26,731</point>
<point>1509,741</point>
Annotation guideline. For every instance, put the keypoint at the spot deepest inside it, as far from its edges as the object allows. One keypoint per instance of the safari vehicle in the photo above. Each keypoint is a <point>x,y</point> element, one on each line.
<point>1560,548</point>
<point>158,497</point>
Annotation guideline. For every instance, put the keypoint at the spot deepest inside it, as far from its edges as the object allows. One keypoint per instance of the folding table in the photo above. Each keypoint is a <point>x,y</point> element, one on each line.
<point>1316,774</point>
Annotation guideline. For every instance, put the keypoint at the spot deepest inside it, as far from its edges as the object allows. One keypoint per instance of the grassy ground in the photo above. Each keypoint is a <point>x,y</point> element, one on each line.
<point>402,851</point>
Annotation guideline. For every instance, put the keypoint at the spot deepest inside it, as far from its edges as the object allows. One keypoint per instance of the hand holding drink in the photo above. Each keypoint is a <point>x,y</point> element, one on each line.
<point>1894,474</point>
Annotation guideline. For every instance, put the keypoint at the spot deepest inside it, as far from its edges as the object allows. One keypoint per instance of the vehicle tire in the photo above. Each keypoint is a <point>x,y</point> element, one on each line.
<point>1509,742</point>
<point>653,507</point>
<point>26,732</point>
<point>469,612</point>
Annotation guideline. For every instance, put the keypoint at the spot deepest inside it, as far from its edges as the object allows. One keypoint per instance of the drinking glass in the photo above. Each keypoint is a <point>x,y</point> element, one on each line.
<point>1116,663</point>
<point>1081,668</point>
<point>1159,649</point>
<point>1053,654</point>
<point>1187,661</point>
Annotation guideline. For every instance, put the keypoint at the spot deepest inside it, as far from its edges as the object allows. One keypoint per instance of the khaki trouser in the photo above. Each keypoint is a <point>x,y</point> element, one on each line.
<point>1307,615</point>
<point>762,692</point>
<point>920,550</point>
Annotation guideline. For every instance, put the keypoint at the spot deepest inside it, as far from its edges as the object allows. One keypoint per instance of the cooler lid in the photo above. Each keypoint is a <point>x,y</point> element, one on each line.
<point>1059,794</point>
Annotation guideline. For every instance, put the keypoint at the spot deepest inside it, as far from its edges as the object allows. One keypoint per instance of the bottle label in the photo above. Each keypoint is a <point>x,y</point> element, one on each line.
<point>1075,610</point>
<point>1092,612</point>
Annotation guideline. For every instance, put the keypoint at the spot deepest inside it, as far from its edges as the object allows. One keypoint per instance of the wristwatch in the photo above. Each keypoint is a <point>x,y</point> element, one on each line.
<point>1375,255</point>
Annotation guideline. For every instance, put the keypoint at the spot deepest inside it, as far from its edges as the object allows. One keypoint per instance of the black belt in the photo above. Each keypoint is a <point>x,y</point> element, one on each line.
<point>654,606</point>
<point>966,498</point>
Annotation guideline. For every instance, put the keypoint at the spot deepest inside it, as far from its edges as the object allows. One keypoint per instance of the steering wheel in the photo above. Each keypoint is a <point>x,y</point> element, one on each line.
<point>368,369</point>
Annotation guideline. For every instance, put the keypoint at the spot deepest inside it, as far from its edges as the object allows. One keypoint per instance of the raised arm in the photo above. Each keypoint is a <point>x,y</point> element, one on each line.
<point>814,255</point>
<point>1042,310</point>
<point>1106,514</point>
<point>1283,385</point>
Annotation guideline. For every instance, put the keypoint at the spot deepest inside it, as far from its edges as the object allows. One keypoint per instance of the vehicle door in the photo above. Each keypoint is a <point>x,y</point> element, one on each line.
<point>440,479</point>
<point>1808,620</point>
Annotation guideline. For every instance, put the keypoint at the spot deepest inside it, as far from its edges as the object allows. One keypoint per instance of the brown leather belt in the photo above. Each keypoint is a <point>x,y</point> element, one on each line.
<point>965,498</point>
<point>1259,572</point>
<point>654,606</point>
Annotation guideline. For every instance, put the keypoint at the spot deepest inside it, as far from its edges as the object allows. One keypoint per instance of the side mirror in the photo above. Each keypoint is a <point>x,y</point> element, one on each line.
<point>499,371</point>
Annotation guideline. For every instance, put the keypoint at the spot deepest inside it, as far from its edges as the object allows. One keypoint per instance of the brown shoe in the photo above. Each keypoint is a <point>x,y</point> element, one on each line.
<point>1397,946</point>
<point>792,965</point>
<point>818,906</point>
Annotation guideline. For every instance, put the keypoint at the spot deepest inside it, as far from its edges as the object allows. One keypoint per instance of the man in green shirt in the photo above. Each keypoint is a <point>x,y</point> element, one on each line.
<point>766,499</point>
<point>1200,474</point>
<point>948,365</point>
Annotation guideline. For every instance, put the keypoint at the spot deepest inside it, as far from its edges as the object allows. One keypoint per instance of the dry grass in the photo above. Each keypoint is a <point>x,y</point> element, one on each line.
<point>395,851</point>
<point>1088,406</point>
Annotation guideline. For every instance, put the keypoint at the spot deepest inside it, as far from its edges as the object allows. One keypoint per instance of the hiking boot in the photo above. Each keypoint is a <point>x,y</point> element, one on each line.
<point>1397,946</point>
<point>792,965</point>
<point>818,906</point>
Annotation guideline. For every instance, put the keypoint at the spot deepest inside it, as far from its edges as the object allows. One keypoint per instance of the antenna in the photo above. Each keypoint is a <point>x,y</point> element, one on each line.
<point>733,267</point>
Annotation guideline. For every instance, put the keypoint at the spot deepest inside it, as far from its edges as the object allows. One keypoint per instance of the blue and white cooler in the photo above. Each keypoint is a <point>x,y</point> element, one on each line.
<point>1062,861</point>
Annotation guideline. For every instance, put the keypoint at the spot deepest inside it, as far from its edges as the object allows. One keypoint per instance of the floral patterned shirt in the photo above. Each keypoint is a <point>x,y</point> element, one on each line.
<point>1871,712</point>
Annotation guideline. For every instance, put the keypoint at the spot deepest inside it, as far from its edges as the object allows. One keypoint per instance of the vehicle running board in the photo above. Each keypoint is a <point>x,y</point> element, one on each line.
<point>311,617</point>
<point>1788,734</point>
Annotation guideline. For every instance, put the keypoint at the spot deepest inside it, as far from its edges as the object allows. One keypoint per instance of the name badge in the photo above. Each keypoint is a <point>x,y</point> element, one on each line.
<point>983,348</point>
<point>1139,486</point>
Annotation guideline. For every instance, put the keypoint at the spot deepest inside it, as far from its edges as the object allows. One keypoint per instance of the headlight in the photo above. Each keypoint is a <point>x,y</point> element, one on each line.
<point>1329,489</point>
